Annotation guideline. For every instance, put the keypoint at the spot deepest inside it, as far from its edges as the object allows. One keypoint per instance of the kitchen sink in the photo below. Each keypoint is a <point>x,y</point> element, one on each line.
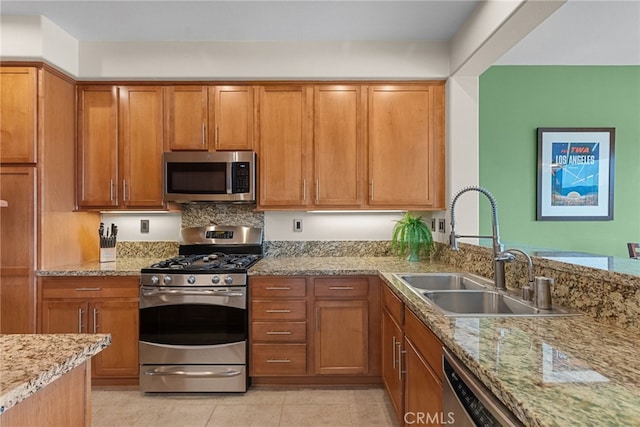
<point>463,294</point>
<point>443,281</point>
<point>487,303</point>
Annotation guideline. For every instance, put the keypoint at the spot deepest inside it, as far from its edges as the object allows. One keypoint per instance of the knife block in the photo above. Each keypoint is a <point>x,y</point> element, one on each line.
<point>107,254</point>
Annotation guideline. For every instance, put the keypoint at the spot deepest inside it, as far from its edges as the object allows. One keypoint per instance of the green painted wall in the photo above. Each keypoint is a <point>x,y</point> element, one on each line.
<point>514,102</point>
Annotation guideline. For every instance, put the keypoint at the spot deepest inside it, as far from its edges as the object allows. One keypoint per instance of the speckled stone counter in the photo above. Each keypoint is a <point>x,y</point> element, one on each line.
<point>563,371</point>
<point>121,267</point>
<point>341,265</point>
<point>30,362</point>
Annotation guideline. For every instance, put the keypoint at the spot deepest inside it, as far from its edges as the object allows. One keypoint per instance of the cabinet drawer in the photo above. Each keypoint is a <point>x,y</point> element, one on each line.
<point>277,287</point>
<point>393,304</point>
<point>427,344</point>
<point>92,288</point>
<point>278,310</point>
<point>341,287</point>
<point>279,331</point>
<point>278,359</point>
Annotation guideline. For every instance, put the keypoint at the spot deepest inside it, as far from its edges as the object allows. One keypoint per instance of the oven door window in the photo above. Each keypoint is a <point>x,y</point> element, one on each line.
<point>193,324</point>
<point>197,178</point>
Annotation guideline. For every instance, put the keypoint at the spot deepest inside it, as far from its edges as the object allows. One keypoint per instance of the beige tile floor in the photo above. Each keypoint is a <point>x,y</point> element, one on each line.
<point>258,407</point>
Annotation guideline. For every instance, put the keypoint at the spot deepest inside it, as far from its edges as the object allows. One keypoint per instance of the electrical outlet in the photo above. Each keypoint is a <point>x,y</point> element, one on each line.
<point>297,225</point>
<point>441,225</point>
<point>433,224</point>
<point>144,225</point>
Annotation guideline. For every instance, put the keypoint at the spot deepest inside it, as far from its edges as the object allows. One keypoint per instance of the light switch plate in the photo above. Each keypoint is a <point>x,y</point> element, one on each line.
<point>433,224</point>
<point>297,225</point>
<point>144,226</point>
<point>441,225</point>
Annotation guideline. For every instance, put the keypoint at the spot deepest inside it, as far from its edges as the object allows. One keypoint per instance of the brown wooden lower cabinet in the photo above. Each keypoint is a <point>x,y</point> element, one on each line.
<point>314,330</point>
<point>96,305</point>
<point>391,340</point>
<point>423,374</point>
<point>411,365</point>
<point>278,359</point>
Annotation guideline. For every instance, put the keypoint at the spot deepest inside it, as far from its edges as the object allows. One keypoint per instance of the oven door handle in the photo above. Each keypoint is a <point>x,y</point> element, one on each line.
<point>194,374</point>
<point>148,293</point>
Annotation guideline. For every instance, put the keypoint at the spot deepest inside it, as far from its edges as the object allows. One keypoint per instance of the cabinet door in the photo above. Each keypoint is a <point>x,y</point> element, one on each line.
<point>17,249</point>
<point>64,317</point>
<point>284,146</point>
<point>423,390</point>
<point>18,109</point>
<point>337,146</point>
<point>141,146</point>
<point>392,337</point>
<point>97,146</point>
<point>185,116</point>
<point>231,112</point>
<point>120,319</point>
<point>406,146</point>
<point>341,337</point>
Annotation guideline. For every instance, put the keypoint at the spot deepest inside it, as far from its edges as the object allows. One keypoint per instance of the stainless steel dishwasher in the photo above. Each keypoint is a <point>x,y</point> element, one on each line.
<point>467,402</point>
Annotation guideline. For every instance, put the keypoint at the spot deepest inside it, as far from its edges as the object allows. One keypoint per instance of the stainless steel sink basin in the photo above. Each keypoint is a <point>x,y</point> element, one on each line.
<point>464,294</point>
<point>487,303</point>
<point>443,281</point>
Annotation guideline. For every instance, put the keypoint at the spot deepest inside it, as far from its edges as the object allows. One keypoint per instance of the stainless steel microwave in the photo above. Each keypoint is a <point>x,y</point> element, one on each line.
<point>200,176</point>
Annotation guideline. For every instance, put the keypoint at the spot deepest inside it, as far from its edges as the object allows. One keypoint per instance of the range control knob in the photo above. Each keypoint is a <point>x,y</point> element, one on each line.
<point>215,279</point>
<point>228,280</point>
<point>166,280</point>
<point>154,280</point>
<point>191,280</point>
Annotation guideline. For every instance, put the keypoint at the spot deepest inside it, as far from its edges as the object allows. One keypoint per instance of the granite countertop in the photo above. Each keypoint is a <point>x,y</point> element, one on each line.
<point>120,267</point>
<point>340,266</point>
<point>32,361</point>
<point>559,371</point>
<point>549,371</point>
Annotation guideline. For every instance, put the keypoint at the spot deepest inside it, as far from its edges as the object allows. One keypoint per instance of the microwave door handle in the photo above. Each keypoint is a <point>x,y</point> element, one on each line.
<point>229,178</point>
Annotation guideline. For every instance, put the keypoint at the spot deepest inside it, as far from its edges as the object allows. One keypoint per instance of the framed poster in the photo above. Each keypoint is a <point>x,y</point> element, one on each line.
<point>575,174</point>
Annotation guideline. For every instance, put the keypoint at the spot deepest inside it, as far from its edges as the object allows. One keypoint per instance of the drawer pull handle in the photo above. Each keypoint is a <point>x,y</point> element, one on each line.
<point>278,288</point>
<point>278,360</point>
<point>341,288</point>
<point>278,332</point>
<point>279,311</point>
<point>88,289</point>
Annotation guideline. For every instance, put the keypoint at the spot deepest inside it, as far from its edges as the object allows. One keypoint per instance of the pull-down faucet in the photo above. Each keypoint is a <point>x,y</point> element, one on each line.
<point>498,248</point>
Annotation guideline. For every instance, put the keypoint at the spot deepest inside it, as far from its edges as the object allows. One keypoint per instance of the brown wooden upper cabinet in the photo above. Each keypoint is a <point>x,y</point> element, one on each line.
<point>18,114</point>
<point>120,146</point>
<point>406,146</point>
<point>370,147</point>
<point>285,132</point>
<point>209,118</point>
<point>185,113</point>
<point>231,113</point>
<point>338,146</point>
<point>141,146</point>
<point>311,147</point>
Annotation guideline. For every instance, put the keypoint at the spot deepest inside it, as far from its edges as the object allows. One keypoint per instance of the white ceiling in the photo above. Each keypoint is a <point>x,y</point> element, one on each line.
<point>150,20</point>
<point>581,32</point>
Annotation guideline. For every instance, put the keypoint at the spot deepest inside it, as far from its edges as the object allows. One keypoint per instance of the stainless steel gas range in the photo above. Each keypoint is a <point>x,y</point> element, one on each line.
<point>193,312</point>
